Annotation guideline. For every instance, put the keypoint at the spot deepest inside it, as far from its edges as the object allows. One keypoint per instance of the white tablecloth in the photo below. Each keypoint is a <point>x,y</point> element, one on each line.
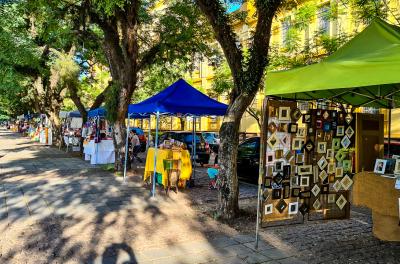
<point>104,150</point>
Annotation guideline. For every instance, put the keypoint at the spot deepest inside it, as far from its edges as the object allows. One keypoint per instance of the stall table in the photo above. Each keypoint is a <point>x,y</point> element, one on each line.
<point>167,155</point>
<point>379,194</point>
<point>104,150</point>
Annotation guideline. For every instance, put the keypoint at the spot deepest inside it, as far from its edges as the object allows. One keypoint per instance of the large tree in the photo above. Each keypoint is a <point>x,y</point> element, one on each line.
<point>247,68</point>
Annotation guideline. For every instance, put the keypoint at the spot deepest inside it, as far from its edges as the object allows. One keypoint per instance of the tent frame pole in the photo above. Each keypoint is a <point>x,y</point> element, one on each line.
<point>261,170</point>
<point>155,156</point>
<point>97,136</point>
<point>194,150</point>
<point>127,146</point>
<point>148,138</point>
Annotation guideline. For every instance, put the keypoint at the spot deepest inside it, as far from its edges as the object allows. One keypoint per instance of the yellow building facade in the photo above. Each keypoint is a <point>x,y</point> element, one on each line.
<point>344,22</point>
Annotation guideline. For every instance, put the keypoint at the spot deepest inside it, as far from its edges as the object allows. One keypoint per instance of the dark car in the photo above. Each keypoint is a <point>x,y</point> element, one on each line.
<point>202,147</point>
<point>141,136</point>
<point>248,159</point>
<point>394,147</point>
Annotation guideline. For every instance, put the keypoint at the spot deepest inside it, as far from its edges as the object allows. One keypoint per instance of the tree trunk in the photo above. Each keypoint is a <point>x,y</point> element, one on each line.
<point>56,127</point>
<point>119,136</point>
<point>228,206</point>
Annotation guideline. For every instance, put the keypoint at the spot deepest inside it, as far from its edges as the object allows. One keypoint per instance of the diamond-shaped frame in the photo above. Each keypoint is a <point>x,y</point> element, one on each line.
<point>349,132</point>
<point>348,118</point>
<point>322,163</point>
<point>315,190</point>
<point>325,115</point>
<point>345,142</point>
<point>337,186</point>
<point>281,206</point>
<point>340,155</point>
<point>341,202</point>
<point>323,175</point>
<point>317,204</point>
<point>309,146</point>
<point>346,182</point>
<point>273,141</point>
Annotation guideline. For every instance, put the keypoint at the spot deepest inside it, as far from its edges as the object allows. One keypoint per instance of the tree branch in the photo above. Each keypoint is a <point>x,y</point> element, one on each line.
<point>217,17</point>
<point>149,56</point>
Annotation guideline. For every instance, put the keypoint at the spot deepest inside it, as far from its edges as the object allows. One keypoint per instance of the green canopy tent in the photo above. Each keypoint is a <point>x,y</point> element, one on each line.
<point>364,72</point>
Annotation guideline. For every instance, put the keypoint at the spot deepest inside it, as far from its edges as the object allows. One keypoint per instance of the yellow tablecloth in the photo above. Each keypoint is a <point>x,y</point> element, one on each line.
<point>164,154</point>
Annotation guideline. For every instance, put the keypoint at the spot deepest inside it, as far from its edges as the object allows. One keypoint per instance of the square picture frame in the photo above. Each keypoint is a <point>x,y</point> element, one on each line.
<point>294,181</point>
<point>321,147</point>
<point>297,143</point>
<point>296,114</point>
<point>336,143</point>
<point>299,158</point>
<point>279,165</point>
<point>268,209</point>
<point>270,157</point>
<point>304,181</point>
<point>346,164</point>
<point>380,166</point>
<point>284,113</point>
<point>307,118</point>
<point>301,132</point>
<point>331,168</point>
<point>278,153</point>
<point>276,194</point>
<point>272,127</point>
<point>293,208</point>
<point>268,182</point>
<point>293,127</point>
<point>339,172</point>
<point>330,154</point>
<point>318,124</point>
<point>397,167</point>
<point>331,198</point>
<point>296,192</point>
<point>340,131</point>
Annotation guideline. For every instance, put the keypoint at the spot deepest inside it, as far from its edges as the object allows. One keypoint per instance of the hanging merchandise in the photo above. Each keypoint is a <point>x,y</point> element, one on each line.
<point>309,162</point>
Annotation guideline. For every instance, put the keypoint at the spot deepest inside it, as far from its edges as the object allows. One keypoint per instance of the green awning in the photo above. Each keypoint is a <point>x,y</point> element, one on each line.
<point>364,72</point>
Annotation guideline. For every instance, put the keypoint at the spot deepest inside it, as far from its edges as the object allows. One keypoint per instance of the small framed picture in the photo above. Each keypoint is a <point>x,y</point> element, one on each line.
<point>330,154</point>
<point>304,181</point>
<point>283,127</point>
<point>397,166</point>
<point>340,131</point>
<point>297,143</point>
<point>309,146</point>
<point>293,128</point>
<point>339,172</point>
<point>346,182</point>
<point>268,209</point>
<point>272,127</point>
<point>301,132</point>
<point>322,163</point>
<point>336,143</point>
<point>346,165</point>
<point>380,166</point>
<point>310,131</point>
<point>294,181</point>
<point>341,202</point>
<point>321,147</point>
<point>320,134</point>
<point>284,113</point>
<point>285,140</point>
<point>325,115</point>
<point>295,192</point>
<point>345,142</point>
<point>286,191</point>
<point>286,171</point>
<point>273,141</point>
<point>299,158</point>
<point>293,208</point>
<point>348,118</point>
<point>307,118</point>
<point>270,157</point>
<point>278,153</point>
<point>268,182</point>
<point>305,194</point>
<point>305,169</point>
<point>317,204</point>
<point>278,165</point>
<point>296,114</point>
<point>323,175</point>
<point>331,198</point>
<point>349,132</point>
<point>318,124</point>
<point>276,194</point>
<point>331,168</point>
<point>327,126</point>
<point>270,170</point>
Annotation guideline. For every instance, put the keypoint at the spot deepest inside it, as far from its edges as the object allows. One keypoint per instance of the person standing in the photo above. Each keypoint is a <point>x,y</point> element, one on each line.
<point>135,142</point>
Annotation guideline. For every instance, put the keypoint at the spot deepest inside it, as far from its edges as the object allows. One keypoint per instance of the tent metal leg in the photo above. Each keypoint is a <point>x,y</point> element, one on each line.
<point>194,150</point>
<point>155,156</point>
<point>263,136</point>
<point>149,136</point>
<point>389,131</point>
<point>126,146</point>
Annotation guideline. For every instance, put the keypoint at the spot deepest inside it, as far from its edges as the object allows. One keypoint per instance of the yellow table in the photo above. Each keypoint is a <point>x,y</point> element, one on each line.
<point>167,154</point>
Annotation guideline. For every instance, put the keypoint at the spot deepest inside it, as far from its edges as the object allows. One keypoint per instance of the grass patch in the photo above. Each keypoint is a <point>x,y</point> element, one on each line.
<point>108,167</point>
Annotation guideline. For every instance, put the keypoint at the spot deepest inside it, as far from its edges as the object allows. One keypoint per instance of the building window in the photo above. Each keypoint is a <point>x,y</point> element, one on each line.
<point>324,19</point>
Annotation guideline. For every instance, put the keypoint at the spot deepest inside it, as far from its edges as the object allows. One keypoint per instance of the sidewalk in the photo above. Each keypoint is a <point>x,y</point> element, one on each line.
<point>55,208</point>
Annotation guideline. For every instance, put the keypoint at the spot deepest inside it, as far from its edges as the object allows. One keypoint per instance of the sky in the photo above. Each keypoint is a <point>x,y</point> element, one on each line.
<point>233,7</point>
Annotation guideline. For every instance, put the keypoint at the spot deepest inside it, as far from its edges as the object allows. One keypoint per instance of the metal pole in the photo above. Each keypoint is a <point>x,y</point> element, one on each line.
<point>98,136</point>
<point>148,138</point>
<point>194,148</point>
<point>263,136</point>
<point>126,146</point>
<point>389,130</point>
<point>155,156</point>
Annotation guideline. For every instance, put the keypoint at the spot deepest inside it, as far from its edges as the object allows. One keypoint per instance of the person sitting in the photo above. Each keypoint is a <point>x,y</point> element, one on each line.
<point>135,142</point>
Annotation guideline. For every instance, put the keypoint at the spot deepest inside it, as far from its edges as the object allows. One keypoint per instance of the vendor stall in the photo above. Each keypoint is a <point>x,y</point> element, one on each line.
<point>72,130</point>
<point>98,144</point>
<point>178,99</point>
<point>332,143</point>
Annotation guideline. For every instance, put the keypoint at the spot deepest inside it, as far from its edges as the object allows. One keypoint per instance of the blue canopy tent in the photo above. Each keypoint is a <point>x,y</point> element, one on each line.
<point>74,114</point>
<point>180,98</point>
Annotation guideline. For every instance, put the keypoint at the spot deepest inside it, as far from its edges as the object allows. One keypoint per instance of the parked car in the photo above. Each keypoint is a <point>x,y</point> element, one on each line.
<point>248,159</point>
<point>394,147</point>
<point>202,147</point>
<point>142,137</point>
<point>212,138</point>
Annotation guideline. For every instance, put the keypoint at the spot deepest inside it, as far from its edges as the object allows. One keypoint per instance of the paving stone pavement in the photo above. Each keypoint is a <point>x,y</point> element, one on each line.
<point>55,208</point>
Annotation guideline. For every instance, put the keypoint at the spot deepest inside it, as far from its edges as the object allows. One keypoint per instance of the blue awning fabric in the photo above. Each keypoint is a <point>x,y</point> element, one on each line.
<point>74,114</point>
<point>101,112</point>
<point>179,98</point>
